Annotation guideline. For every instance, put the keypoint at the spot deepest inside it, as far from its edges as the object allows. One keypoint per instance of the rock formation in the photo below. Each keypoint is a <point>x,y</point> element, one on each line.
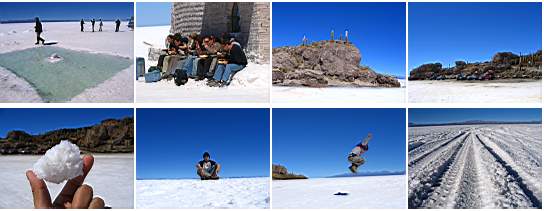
<point>109,136</point>
<point>279,172</point>
<point>503,65</point>
<point>323,64</point>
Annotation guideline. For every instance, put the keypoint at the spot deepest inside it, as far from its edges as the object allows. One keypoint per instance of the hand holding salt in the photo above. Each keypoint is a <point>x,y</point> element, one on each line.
<point>61,162</point>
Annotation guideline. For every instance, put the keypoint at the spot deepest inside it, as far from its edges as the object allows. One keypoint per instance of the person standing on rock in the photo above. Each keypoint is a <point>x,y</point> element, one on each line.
<point>207,168</point>
<point>92,23</point>
<point>347,40</point>
<point>354,156</point>
<point>38,29</point>
<point>81,23</point>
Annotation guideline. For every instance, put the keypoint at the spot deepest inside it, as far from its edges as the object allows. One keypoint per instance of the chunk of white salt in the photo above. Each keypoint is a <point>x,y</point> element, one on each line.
<point>62,162</point>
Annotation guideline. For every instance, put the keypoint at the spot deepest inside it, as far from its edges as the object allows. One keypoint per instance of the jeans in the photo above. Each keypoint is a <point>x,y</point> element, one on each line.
<point>195,66</point>
<point>188,65</point>
<point>223,72</point>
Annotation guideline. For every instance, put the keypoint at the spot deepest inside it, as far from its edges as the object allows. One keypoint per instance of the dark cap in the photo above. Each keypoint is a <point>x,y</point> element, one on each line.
<point>206,154</point>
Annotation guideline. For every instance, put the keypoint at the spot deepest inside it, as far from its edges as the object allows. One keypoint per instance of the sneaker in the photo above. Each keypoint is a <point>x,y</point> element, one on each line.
<point>213,83</point>
<point>353,169</point>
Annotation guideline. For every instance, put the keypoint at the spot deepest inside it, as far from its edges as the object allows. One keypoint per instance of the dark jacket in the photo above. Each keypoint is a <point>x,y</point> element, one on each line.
<point>237,55</point>
<point>38,27</point>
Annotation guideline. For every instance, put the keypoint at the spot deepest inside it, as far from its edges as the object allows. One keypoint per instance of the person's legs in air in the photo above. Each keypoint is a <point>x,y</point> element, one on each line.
<point>356,161</point>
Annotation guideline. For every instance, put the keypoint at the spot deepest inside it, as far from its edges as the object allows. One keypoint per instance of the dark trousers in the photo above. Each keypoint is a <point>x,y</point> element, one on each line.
<point>204,67</point>
<point>161,60</point>
<point>38,38</point>
<point>81,28</point>
<point>117,28</point>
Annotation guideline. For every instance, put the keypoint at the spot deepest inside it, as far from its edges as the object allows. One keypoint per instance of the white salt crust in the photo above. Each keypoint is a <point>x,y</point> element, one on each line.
<point>61,162</point>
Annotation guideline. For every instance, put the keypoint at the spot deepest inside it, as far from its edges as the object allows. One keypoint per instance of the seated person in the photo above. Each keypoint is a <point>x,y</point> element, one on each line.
<point>177,53</point>
<point>169,48</point>
<point>236,61</point>
<point>207,58</point>
<point>206,168</point>
<point>192,54</point>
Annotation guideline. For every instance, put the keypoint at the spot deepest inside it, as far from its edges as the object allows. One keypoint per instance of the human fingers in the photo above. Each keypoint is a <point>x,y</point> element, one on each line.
<point>67,193</point>
<point>40,193</point>
<point>82,197</point>
<point>97,203</point>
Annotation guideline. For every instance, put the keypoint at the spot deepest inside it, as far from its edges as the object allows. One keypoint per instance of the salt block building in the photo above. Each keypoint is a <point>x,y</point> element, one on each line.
<point>248,22</point>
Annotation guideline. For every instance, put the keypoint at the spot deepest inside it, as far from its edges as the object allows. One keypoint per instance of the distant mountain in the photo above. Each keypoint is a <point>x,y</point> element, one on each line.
<point>108,136</point>
<point>473,122</point>
<point>370,173</point>
<point>279,172</point>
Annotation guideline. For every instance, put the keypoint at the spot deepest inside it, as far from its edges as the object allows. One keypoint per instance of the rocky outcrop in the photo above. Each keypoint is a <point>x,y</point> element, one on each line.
<point>503,65</point>
<point>324,64</point>
<point>109,136</point>
<point>279,172</point>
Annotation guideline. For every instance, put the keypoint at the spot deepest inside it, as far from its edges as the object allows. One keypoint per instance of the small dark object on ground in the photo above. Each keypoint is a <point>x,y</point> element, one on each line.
<point>341,194</point>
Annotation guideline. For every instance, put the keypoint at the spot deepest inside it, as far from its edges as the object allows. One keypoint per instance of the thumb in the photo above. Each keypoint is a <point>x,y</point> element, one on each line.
<point>40,193</point>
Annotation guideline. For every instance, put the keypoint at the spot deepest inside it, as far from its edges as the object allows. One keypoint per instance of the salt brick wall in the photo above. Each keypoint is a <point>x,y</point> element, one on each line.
<point>213,18</point>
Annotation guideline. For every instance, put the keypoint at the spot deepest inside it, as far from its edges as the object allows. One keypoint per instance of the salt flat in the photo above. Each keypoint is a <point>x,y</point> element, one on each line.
<point>111,177</point>
<point>373,192</point>
<point>337,94</point>
<point>195,193</point>
<point>475,166</point>
<point>19,36</point>
<point>474,92</point>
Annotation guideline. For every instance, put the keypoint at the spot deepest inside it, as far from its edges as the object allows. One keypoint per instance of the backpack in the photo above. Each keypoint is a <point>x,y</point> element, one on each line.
<point>180,77</point>
<point>140,67</point>
<point>153,74</point>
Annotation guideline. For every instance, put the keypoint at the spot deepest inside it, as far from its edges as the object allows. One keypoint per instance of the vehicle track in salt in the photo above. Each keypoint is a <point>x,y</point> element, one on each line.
<point>467,172</point>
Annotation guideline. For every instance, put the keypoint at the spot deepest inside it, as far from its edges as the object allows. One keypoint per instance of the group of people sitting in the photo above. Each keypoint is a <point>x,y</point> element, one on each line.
<point>199,58</point>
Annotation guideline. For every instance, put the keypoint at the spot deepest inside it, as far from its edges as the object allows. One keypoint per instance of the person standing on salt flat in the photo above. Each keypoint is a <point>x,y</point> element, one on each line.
<point>354,156</point>
<point>100,25</point>
<point>117,24</point>
<point>92,23</point>
<point>38,29</point>
<point>81,23</point>
<point>208,169</point>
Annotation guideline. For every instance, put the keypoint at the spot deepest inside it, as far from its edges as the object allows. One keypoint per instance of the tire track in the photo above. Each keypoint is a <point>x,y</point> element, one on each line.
<point>469,190</point>
<point>433,150</point>
<point>513,174</point>
<point>424,188</point>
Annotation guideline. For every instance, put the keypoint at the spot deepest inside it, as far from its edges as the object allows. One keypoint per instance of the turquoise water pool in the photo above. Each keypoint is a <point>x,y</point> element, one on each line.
<point>62,80</point>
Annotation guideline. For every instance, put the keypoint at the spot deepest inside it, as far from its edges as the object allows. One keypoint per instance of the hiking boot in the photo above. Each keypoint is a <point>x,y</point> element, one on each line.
<point>223,84</point>
<point>353,169</point>
<point>213,83</point>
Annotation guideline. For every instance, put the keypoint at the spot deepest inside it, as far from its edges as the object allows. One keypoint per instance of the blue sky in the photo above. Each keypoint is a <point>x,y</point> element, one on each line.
<point>316,142</point>
<point>447,115</point>
<point>66,10</point>
<point>37,121</point>
<point>171,141</point>
<point>153,13</point>
<point>377,29</point>
<point>446,32</point>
